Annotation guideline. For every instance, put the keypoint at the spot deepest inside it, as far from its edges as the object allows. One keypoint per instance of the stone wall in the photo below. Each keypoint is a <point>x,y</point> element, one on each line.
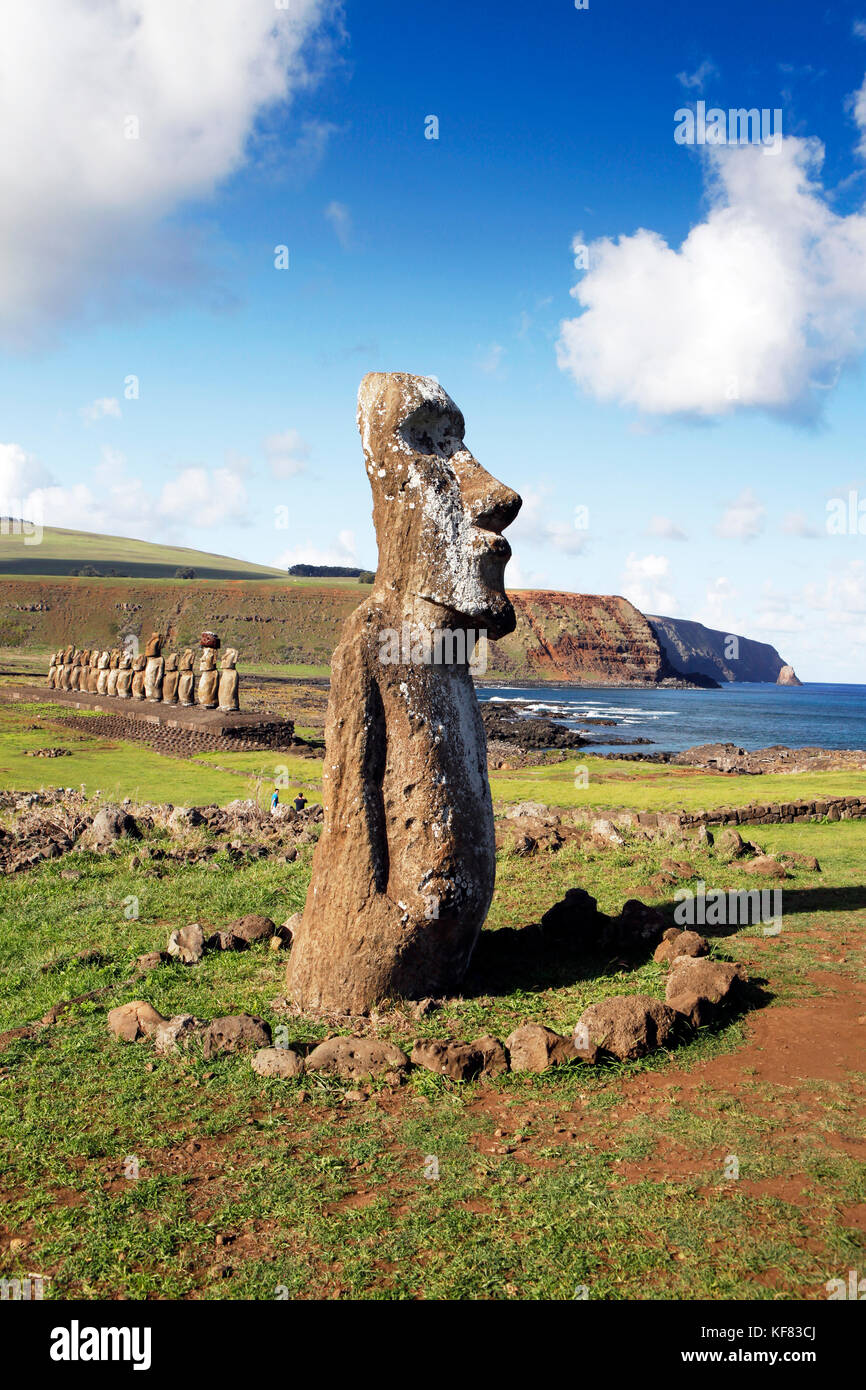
<point>832,808</point>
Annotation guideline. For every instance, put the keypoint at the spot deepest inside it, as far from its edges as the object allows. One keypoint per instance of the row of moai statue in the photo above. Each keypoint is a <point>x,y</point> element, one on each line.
<point>168,680</point>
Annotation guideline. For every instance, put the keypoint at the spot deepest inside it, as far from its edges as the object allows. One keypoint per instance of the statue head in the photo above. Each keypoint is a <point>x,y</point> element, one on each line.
<point>171,662</point>
<point>439,515</point>
<point>208,659</point>
<point>114,659</point>
<point>154,645</point>
<point>77,658</point>
<point>185,663</point>
<point>139,662</point>
<point>104,658</point>
<point>229,661</point>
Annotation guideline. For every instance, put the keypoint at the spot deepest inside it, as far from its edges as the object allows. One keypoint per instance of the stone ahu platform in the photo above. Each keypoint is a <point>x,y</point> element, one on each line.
<point>171,728</point>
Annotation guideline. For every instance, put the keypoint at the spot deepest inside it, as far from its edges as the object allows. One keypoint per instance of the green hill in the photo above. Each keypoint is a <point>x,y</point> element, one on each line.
<point>61,551</point>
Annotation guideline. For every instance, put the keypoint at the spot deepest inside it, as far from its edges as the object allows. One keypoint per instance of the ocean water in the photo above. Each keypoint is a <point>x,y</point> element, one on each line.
<point>748,714</point>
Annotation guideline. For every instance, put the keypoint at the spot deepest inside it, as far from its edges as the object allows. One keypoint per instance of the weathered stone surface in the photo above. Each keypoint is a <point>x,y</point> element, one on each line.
<point>403,873</point>
<point>787,676</point>
<point>461,1061</point>
<point>208,681</point>
<point>137,1019</point>
<point>151,960</point>
<point>112,823</point>
<point>277,1061</point>
<point>533,1047</point>
<point>227,693</point>
<point>606,833</point>
<point>626,1026</point>
<point>699,988</point>
<point>765,866</point>
<point>235,1033</point>
<point>680,943</point>
<point>175,1033</point>
<point>187,943</point>
<point>357,1057</point>
<point>252,927</point>
<point>730,842</point>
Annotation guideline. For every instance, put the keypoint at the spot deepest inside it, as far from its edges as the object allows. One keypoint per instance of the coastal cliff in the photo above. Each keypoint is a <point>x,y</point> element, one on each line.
<point>700,650</point>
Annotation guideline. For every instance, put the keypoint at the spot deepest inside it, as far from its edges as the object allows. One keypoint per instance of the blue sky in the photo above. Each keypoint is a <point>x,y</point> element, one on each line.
<point>701,396</point>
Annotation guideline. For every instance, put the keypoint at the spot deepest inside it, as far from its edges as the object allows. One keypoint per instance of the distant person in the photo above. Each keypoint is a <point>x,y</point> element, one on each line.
<point>275,801</point>
<point>300,801</point>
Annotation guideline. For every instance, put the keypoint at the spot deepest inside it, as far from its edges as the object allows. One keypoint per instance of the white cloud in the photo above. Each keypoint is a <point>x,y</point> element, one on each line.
<point>286,453</point>
<point>533,527</point>
<point>764,298</point>
<point>696,79</point>
<point>665,528</point>
<point>98,409</point>
<point>743,519</point>
<point>341,551</point>
<point>860,28</point>
<point>20,475</point>
<point>341,220</point>
<point>491,359</point>
<point>201,497</point>
<point>82,201</point>
<point>798,524</point>
<point>645,583</point>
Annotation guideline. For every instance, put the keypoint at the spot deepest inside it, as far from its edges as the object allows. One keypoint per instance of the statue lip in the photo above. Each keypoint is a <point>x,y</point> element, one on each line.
<point>496,545</point>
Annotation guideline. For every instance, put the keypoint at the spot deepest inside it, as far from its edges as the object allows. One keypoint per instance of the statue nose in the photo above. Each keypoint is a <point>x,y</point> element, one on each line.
<point>495,506</point>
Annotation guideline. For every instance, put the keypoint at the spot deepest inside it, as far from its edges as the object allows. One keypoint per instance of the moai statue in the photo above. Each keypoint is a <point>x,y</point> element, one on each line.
<point>138,664</point>
<point>102,673</point>
<point>155,668</point>
<point>92,672</point>
<point>66,669</point>
<point>403,873</point>
<point>170,680</point>
<point>52,671</point>
<point>113,666</point>
<point>228,683</point>
<point>186,683</point>
<point>79,662</point>
<point>206,691</point>
<point>124,676</point>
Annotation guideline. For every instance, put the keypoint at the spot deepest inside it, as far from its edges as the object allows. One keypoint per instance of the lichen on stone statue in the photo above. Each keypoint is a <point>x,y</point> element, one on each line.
<point>228,681</point>
<point>404,871</point>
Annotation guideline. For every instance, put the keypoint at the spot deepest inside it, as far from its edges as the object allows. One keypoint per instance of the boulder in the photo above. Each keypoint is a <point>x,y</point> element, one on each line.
<point>625,1026</point>
<point>699,988</point>
<point>187,943</point>
<point>151,960</point>
<point>252,927</point>
<point>532,1047</point>
<point>604,832</point>
<point>792,858</point>
<point>461,1061</point>
<point>235,1033</point>
<point>277,1061</point>
<point>680,943</point>
<point>112,823</point>
<point>135,1020</point>
<point>356,1058</point>
<point>765,866</point>
<point>175,1032</point>
<point>730,843</point>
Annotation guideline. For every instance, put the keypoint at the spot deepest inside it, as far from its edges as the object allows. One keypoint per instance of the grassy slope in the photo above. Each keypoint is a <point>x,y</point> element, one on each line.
<point>59,550</point>
<point>330,1198</point>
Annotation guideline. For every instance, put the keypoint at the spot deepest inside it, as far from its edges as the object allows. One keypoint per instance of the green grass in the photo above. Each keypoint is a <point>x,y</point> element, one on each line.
<point>117,768</point>
<point>60,550</point>
<point>329,1198</point>
<point>659,787</point>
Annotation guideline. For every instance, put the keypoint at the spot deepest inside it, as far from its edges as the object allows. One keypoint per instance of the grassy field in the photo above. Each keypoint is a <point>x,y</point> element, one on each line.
<point>59,550</point>
<point>610,1182</point>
